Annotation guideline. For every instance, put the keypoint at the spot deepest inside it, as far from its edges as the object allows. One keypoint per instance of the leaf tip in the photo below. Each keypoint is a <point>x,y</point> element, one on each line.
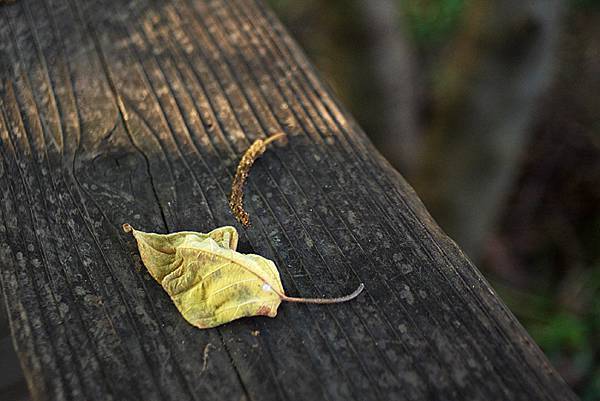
<point>127,228</point>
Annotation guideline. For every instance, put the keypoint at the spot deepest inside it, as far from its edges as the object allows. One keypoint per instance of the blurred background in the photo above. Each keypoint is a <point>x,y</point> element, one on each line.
<point>491,110</point>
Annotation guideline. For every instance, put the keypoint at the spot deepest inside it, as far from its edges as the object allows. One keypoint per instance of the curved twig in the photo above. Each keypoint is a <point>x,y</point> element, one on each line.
<point>236,199</point>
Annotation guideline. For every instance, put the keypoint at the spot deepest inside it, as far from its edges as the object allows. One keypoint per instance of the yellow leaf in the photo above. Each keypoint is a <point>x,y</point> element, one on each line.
<point>209,282</point>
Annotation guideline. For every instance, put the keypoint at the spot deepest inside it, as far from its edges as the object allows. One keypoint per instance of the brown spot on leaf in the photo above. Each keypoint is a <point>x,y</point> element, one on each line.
<point>264,310</point>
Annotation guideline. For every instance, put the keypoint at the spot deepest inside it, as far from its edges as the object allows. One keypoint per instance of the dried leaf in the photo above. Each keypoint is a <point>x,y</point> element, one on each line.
<point>209,282</point>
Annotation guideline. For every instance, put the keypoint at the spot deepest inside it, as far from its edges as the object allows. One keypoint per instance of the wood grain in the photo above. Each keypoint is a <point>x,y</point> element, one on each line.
<point>137,111</point>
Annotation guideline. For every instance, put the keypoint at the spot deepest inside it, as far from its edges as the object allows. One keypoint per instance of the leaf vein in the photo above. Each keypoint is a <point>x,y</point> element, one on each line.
<point>229,286</point>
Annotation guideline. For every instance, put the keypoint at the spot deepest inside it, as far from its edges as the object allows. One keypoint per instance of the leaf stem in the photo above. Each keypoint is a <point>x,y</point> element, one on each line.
<point>345,298</point>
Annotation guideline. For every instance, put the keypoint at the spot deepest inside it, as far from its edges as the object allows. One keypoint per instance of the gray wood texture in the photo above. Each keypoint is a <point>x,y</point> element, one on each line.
<point>138,111</point>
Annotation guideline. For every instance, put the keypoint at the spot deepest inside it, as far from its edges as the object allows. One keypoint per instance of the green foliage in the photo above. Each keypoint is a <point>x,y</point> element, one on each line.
<point>431,22</point>
<point>593,390</point>
<point>562,330</point>
<point>565,326</point>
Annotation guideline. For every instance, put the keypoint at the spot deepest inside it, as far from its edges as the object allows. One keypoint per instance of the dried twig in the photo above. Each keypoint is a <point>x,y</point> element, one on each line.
<point>205,357</point>
<point>236,199</point>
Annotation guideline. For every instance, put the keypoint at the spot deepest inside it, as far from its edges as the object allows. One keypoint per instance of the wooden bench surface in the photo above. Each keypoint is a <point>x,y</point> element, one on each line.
<point>138,111</point>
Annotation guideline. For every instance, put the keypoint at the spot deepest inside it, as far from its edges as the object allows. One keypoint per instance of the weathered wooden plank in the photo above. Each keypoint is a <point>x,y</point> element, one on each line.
<point>137,111</point>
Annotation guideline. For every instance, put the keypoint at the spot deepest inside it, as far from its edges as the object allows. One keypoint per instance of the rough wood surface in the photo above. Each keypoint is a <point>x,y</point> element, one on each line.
<point>137,111</point>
